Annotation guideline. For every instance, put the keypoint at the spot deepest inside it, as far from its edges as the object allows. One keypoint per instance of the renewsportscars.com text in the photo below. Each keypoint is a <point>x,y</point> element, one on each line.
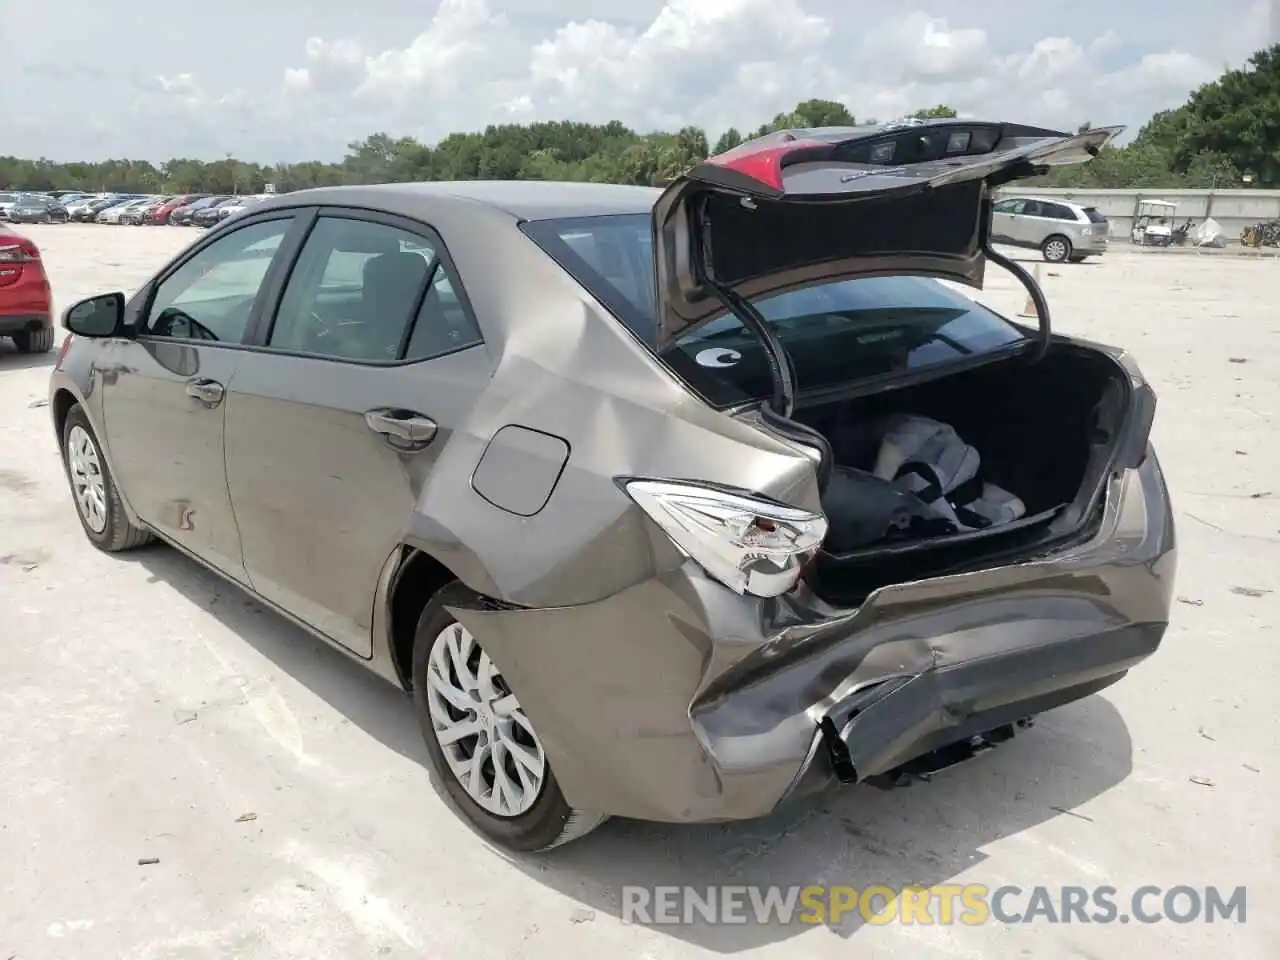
<point>945,904</point>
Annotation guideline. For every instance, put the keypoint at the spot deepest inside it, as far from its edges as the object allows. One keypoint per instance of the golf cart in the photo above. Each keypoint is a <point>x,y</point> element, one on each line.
<point>1153,226</point>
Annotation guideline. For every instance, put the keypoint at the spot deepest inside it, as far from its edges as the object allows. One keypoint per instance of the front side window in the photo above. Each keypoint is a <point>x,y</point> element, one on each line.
<point>368,291</point>
<point>211,296</point>
<point>836,333</point>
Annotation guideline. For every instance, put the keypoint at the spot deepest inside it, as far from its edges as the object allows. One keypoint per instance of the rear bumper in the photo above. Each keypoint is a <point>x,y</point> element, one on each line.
<point>678,700</point>
<point>16,323</point>
<point>885,727</point>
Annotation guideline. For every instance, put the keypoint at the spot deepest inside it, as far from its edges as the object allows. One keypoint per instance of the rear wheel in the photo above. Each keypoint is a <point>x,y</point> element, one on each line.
<point>487,760</point>
<point>1077,258</point>
<point>94,491</point>
<point>34,341</point>
<point>1056,248</point>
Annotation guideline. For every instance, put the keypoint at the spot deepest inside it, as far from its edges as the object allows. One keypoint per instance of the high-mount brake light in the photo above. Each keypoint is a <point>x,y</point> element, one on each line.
<point>763,161</point>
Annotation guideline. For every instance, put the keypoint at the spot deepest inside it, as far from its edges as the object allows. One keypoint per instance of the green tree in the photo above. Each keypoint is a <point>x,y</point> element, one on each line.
<point>728,140</point>
<point>1226,128</point>
<point>1237,116</point>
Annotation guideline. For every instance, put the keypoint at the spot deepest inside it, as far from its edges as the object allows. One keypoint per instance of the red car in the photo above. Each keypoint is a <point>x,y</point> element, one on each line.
<point>26,302</point>
<point>159,214</point>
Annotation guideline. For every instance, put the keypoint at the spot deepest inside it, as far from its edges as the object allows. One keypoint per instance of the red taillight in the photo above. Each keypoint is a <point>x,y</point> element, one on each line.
<point>14,252</point>
<point>764,162</point>
<point>18,251</point>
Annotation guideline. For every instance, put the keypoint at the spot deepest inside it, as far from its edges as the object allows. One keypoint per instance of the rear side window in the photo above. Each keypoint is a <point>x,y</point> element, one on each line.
<point>1059,211</point>
<point>369,291</point>
<point>836,333</point>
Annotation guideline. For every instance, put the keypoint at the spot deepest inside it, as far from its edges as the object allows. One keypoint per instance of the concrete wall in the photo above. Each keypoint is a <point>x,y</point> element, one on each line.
<point>1233,209</point>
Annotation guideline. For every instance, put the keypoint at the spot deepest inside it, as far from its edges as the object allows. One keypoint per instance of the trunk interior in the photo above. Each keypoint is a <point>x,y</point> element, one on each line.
<point>1044,432</point>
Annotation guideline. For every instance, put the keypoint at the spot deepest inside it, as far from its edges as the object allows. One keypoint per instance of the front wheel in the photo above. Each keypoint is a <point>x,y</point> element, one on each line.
<point>487,760</point>
<point>1056,249</point>
<point>94,490</point>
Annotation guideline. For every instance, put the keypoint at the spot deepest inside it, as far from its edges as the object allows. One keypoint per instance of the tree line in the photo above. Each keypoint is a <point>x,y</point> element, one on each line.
<point>1226,135</point>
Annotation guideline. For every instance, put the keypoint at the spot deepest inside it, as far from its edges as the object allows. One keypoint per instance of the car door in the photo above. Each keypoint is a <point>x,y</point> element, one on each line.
<point>369,361</point>
<point>163,388</point>
<point>1011,225</point>
<point>1038,222</point>
<point>1002,219</point>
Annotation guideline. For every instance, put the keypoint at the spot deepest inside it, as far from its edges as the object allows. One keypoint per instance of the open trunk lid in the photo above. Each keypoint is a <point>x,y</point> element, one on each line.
<point>802,207</point>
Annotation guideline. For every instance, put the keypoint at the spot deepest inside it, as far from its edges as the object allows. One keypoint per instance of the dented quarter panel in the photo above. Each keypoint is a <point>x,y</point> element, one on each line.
<point>688,703</point>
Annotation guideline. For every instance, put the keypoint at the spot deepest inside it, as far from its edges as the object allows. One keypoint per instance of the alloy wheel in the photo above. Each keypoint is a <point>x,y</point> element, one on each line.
<point>487,741</point>
<point>1056,250</point>
<point>88,485</point>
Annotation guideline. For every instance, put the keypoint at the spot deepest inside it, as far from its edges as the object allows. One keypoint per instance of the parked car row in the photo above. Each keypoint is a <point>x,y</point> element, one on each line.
<point>191,209</point>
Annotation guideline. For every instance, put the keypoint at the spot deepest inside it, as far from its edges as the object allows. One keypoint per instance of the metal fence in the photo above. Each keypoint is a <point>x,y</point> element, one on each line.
<point>1233,209</point>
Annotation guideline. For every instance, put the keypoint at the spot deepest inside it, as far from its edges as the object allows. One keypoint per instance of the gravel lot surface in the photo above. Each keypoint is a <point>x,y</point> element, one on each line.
<point>145,708</point>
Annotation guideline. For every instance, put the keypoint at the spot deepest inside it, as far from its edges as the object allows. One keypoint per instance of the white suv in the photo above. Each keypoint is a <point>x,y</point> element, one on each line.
<point>1059,229</point>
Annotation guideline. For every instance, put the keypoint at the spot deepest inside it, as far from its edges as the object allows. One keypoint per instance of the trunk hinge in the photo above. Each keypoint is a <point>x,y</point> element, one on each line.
<point>781,369</point>
<point>777,412</point>
<point>1024,278</point>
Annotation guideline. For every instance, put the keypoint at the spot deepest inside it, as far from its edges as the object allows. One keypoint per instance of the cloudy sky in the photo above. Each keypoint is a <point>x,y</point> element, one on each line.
<point>273,80</point>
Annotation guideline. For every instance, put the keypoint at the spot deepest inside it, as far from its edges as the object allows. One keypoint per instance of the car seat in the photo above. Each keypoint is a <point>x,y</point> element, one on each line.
<point>392,287</point>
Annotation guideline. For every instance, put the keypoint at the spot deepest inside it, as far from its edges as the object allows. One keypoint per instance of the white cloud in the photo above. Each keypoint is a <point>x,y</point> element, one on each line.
<point>716,51</point>
<point>918,46</point>
<point>461,36</point>
<point>297,81</point>
<point>1052,58</point>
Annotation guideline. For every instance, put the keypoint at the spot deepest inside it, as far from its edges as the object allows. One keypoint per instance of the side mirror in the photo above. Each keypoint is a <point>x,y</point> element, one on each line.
<point>100,316</point>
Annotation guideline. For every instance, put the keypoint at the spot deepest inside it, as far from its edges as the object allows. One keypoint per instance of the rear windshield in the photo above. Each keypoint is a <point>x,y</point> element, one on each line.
<point>1093,214</point>
<point>835,333</point>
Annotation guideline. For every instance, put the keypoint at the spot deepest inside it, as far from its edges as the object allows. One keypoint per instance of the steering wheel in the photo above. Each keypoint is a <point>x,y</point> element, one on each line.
<point>171,317</point>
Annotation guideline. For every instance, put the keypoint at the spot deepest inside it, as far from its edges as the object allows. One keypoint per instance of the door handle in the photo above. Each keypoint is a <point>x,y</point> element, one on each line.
<point>403,428</point>
<point>206,391</point>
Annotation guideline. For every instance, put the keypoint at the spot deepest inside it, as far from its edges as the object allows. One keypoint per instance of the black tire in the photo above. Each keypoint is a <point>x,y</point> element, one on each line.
<point>118,534</point>
<point>1077,258</point>
<point>550,822</point>
<point>34,341</point>
<point>1056,248</point>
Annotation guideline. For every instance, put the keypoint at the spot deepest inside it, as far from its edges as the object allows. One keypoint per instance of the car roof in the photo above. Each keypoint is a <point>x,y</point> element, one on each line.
<point>1033,196</point>
<point>521,199</point>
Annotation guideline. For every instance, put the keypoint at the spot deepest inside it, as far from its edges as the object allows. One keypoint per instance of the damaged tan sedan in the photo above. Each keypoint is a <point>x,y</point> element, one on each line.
<point>670,504</point>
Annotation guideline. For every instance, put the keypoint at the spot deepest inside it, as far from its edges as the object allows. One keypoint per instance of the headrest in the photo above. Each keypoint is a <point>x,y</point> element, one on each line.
<point>395,269</point>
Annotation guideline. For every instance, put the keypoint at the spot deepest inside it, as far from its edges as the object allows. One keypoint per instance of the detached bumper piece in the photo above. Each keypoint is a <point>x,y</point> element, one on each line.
<point>922,767</point>
<point>907,728</point>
